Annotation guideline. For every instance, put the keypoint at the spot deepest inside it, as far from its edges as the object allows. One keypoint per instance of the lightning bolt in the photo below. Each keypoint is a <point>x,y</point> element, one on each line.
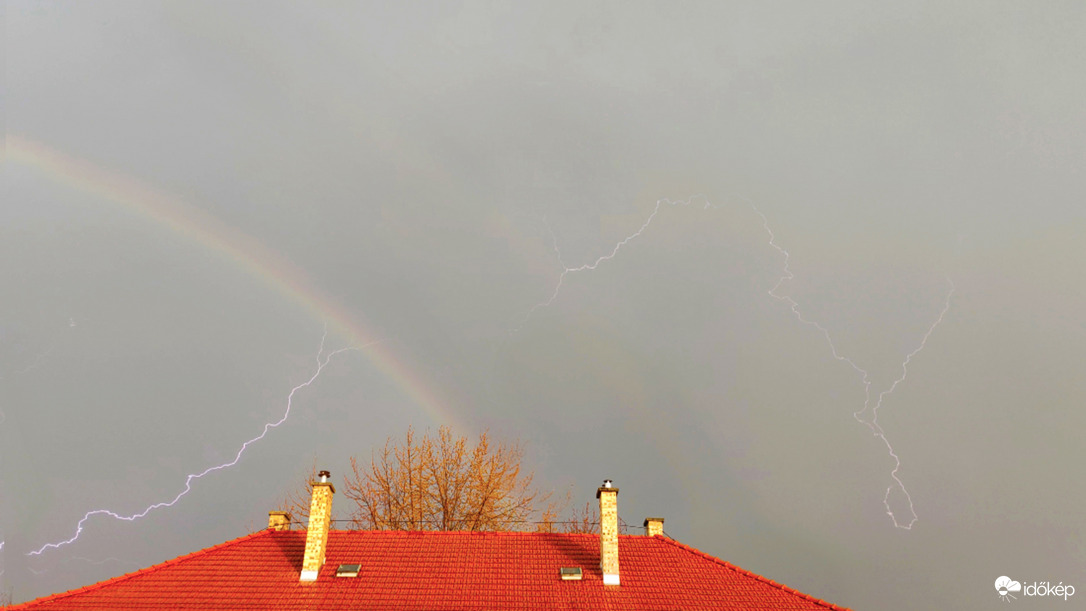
<point>872,423</point>
<point>660,203</point>
<point>322,362</point>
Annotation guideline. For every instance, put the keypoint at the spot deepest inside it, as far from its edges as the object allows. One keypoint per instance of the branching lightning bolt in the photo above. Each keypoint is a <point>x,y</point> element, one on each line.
<point>873,423</point>
<point>859,415</point>
<point>322,362</point>
<point>611,255</point>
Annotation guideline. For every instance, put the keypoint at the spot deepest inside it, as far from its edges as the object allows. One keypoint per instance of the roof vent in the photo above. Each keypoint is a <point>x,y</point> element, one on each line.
<point>570,573</point>
<point>348,570</point>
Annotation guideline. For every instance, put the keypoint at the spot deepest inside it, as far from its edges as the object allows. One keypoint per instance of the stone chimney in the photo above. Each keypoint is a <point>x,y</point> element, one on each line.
<point>608,497</point>
<point>279,520</point>
<point>654,526</point>
<point>320,518</point>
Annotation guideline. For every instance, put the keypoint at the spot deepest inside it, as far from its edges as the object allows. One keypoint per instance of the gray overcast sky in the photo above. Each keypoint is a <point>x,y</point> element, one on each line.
<point>192,191</point>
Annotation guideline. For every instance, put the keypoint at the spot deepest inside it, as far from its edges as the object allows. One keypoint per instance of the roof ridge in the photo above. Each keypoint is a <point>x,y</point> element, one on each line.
<point>146,570</point>
<point>751,574</point>
<point>476,533</point>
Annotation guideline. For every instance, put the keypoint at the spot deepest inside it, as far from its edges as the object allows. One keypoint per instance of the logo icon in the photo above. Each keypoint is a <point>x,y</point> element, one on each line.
<point>1005,585</point>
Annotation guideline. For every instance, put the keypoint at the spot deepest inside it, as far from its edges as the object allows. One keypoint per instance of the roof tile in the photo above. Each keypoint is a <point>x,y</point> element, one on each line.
<point>434,570</point>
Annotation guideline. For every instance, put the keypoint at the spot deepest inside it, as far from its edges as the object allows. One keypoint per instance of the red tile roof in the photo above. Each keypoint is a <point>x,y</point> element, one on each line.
<point>437,570</point>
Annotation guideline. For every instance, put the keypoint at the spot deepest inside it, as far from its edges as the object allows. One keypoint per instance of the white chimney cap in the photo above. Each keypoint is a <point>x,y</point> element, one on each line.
<point>606,483</point>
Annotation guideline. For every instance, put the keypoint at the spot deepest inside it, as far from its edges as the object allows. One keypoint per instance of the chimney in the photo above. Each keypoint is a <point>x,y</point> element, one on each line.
<point>608,497</point>
<point>654,526</point>
<point>279,520</point>
<point>320,517</point>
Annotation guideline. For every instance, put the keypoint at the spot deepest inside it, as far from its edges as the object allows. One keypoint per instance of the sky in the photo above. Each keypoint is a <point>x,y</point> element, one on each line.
<point>685,247</point>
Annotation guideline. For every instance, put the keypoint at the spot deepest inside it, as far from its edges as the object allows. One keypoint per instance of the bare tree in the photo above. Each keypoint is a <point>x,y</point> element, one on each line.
<point>585,521</point>
<point>296,502</point>
<point>443,483</point>
<point>446,482</point>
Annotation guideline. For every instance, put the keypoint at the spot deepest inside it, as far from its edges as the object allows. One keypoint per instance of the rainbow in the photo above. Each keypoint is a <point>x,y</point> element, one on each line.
<point>242,251</point>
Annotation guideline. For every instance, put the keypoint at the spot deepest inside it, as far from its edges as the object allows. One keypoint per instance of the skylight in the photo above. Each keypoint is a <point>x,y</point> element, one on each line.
<point>348,570</point>
<point>570,573</point>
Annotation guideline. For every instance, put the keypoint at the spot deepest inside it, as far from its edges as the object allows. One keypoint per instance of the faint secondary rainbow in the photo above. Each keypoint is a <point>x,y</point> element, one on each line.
<point>243,251</point>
